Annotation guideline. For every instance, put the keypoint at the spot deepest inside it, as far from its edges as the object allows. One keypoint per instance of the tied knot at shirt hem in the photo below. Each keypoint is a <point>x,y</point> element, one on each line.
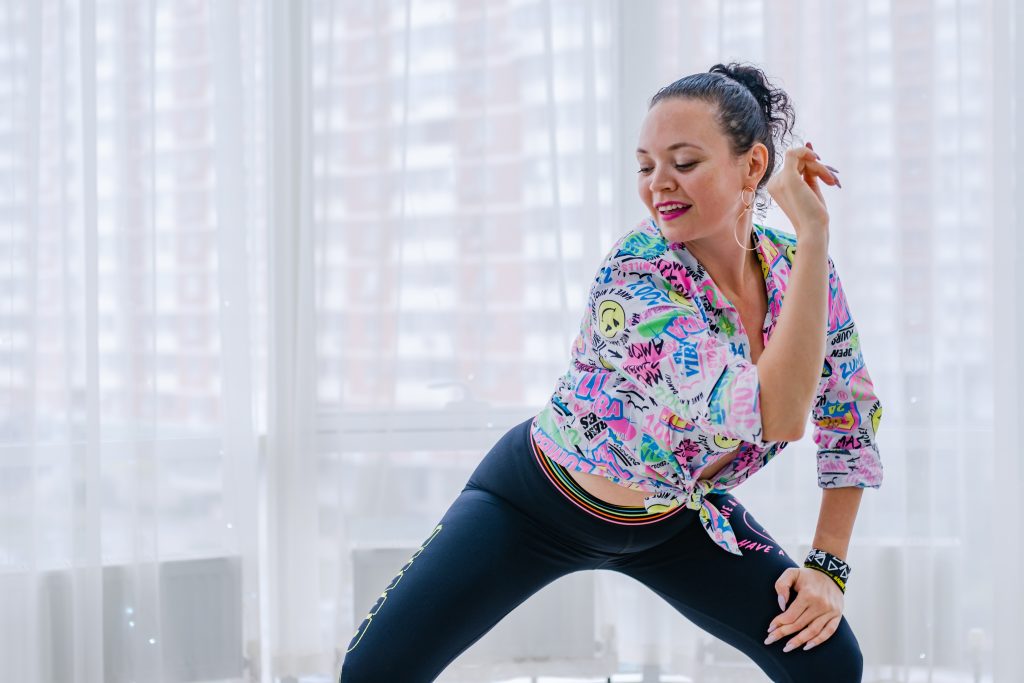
<point>714,522</point>
<point>695,496</point>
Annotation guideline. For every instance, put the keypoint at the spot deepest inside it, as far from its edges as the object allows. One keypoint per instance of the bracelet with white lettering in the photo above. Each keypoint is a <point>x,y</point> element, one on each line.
<point>827,563</point>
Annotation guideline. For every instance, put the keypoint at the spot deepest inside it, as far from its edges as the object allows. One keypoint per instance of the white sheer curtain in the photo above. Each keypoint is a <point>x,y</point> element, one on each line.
<point>278,274</point>
<point>131,341</point>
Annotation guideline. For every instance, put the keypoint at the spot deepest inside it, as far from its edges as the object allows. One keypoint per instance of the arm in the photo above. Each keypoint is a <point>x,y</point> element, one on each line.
<point>790,365</point>
<point>835,519</point>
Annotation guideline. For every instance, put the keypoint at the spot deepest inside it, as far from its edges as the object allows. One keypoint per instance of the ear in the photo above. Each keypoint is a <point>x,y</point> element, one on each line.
<point>757,163</point>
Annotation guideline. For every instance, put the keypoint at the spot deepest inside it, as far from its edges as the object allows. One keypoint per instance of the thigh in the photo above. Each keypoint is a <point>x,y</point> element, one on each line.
<point>733,597</point>
<point>480,561</point>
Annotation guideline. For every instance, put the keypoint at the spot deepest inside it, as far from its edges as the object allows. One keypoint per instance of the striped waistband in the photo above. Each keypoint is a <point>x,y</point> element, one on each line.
<point>618,514</point>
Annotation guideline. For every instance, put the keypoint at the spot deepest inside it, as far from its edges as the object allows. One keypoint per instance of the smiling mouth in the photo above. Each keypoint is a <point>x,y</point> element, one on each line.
<point>673,213</point>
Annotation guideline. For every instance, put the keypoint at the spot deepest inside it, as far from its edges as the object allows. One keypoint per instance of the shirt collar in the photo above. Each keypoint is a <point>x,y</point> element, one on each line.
<point>774,267</point>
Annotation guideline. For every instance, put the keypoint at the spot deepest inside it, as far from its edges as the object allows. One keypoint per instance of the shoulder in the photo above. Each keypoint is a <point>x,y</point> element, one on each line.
<point>779,236</point>
<point>785,243</point>
<point>638,254</point>
<point>642,241</point>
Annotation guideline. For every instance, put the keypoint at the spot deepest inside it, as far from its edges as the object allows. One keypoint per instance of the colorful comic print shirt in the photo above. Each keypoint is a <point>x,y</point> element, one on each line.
<point>661,383</point>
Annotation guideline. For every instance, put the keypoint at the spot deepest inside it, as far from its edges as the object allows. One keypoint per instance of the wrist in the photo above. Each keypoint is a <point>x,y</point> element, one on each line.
<point>835,546</point>
<point>827,563</point>
<point>813,238</point>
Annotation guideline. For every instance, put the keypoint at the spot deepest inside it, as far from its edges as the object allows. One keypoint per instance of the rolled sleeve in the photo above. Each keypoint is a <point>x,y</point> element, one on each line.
<point>847,410</point>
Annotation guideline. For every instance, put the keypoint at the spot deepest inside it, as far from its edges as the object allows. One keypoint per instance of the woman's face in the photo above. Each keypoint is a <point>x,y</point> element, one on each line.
<point>702,173</point>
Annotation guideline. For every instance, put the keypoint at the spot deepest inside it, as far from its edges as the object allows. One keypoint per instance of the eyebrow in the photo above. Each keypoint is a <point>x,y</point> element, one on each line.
<point>671,147</point>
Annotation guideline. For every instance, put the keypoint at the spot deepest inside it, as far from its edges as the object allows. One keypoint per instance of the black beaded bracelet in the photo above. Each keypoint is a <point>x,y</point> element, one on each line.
<point>830,565</point>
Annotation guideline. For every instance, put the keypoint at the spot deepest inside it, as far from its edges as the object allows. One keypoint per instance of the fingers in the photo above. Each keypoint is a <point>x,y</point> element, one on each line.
<point>792,620</point>
<point>786,580</point>
<point>795,158</point>
<point>818,156</point>
<point>811,618</point>
<point>812,181</point>
<point>811,171</point>
<point>826,172</point>
<point>788,629</point>
<point>819,630</point>
<point>827,632</point>
<point>801,159</point>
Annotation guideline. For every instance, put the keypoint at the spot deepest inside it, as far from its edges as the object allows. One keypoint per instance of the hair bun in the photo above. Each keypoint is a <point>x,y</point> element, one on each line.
<point>753,78</point>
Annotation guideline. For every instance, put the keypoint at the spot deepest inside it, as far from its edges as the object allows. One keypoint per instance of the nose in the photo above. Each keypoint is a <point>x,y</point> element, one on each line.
<point>660,180</point>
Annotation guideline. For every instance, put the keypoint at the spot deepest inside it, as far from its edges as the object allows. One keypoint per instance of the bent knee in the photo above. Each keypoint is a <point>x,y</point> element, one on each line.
<point>838,660</point>
<point>844,664</point>
<point>849,667</point>
<point>854,658</point>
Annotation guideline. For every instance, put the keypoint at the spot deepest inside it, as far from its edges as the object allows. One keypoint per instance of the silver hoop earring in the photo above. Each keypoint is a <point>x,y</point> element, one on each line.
<point>742,214</point>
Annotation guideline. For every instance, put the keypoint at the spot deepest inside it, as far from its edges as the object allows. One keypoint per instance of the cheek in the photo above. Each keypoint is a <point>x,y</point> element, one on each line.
<point>706,190</point>
<point>702,185</point>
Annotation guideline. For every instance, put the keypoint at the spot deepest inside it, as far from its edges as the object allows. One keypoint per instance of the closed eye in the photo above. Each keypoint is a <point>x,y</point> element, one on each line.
<point>681,167</point>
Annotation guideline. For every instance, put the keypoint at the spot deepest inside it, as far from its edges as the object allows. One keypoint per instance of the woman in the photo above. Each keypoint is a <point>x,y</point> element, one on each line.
<point>685,379</point>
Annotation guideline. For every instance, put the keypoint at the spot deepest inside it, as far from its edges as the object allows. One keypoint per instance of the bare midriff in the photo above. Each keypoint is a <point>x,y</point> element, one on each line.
<point>611,492</point>
<point>607,490</point>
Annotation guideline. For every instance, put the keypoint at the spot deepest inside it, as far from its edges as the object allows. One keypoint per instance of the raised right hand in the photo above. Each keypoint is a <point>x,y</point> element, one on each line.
<point>795,189</point>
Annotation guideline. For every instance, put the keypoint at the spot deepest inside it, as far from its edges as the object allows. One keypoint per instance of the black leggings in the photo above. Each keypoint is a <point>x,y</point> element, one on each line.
<point>514,529</point>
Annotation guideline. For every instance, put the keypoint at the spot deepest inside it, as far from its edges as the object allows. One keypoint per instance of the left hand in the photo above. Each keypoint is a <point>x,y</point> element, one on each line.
<point>815,613</point>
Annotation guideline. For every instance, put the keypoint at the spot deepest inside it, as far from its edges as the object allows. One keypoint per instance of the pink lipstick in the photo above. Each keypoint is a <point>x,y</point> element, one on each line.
<point>674,214</point>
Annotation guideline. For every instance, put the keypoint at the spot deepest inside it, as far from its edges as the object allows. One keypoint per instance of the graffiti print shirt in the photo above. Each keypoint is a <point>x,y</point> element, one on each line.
<point>661,383</point>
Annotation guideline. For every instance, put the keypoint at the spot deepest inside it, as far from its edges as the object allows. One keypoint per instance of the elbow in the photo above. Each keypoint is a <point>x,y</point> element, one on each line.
<point>788,433</point>
<point>796,434</point>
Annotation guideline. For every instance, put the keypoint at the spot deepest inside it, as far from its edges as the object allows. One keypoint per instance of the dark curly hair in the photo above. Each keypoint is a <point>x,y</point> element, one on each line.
<point>749,109</point>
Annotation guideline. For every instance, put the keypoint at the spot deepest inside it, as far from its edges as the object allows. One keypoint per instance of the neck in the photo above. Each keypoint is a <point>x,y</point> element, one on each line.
<point>735,270</point>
